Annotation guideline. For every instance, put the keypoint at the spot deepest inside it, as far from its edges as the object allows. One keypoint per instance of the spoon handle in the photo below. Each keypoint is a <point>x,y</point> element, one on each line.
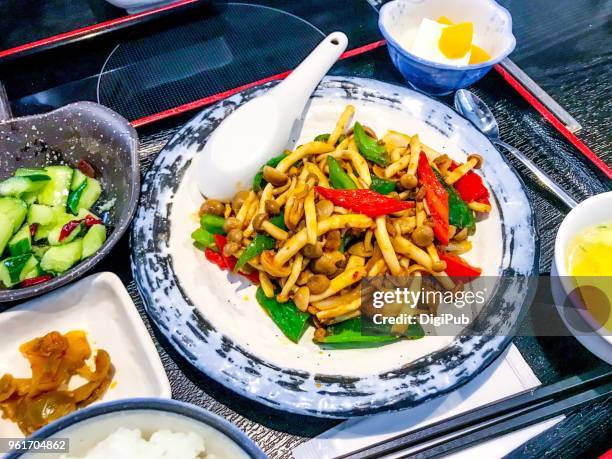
<point>544,179</point>
<point>296,89</point>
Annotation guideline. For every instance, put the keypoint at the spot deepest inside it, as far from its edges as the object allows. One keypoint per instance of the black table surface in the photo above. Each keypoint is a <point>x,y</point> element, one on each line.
<point>562,44</point>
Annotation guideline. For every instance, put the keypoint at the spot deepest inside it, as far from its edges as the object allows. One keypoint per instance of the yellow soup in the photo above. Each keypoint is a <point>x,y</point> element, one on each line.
<point>589,261</point>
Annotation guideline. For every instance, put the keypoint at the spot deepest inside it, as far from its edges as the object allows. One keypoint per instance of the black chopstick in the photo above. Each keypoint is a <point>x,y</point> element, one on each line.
<point>486,422</point>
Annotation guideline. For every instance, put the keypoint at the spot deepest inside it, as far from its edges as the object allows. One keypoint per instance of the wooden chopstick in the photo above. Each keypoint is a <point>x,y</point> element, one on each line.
<point>495,419</point>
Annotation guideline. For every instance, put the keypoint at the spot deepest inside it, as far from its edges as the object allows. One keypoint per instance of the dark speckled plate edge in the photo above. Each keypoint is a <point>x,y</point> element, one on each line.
<point>119,132</point>
<point>413,386</point>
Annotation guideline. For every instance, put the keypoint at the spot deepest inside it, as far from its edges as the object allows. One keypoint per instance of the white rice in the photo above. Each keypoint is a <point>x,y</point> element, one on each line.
<point>163,444</point>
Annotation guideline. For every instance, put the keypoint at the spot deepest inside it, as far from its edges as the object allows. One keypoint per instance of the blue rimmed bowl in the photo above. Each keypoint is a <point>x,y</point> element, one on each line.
<point>399,21</point>
<point>87,427</point>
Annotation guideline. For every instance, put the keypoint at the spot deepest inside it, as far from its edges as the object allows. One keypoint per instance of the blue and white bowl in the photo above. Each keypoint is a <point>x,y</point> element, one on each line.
<point>85,428</point>
<point>492,25</point>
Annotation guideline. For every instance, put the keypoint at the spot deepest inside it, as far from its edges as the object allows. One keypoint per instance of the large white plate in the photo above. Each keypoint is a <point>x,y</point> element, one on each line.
<point>215,322</point>
<point>100,306</point>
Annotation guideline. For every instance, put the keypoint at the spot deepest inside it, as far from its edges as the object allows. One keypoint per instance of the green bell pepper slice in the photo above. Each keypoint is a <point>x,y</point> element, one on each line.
<point>291,321</point>
<point>459,213</point>
<point>325,138</point>
<point>279,221</point>
<point>382,186</point>
<point>73,200</point>
<point>212,223</point>
<point>347,335</point>
<point>338,178</point>
<point>369,148</point>
<point>202,239</point>
<point>259,243</point>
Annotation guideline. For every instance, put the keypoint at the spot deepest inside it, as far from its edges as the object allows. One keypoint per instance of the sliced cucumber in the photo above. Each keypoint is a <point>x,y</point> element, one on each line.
<point>54,235</point>
<point>21,243</point>
<point>83,213</point>
<point>14,211</point>
<point>55,193</point>
<point>29,266</point>
<point>40,250</point>
<point>25,171</point>
<point>93,240</point>
<point>30,198</point>
<point>43,231</point>
<point>77,179</point>
<point>90,194</point>
<point>41,214</point>
<point>60,219</point>
<point>6,231</point>
<point>16,186</point>
<point>62,257</point>
<point>34,273</point>
<point>5,277</point>
<point>15,268</point>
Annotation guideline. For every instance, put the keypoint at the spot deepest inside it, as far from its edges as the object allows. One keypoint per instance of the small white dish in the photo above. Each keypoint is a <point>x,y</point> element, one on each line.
<point>588,213</point>
<point>85,429</point>
<point>101,306</point>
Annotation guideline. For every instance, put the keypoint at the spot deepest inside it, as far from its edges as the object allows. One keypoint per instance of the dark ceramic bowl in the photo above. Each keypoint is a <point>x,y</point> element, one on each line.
<point>87,427</point>
<point>83,130</point>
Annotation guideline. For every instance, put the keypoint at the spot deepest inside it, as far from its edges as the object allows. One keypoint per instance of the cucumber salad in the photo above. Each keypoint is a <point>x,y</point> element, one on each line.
<point>46,225</point>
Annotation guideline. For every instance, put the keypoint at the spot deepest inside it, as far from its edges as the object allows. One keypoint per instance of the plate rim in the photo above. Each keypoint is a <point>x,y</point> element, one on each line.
<point>486,360</point>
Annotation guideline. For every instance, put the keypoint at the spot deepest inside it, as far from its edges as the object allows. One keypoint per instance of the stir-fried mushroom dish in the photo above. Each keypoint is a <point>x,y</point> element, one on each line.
<point>346,206</point>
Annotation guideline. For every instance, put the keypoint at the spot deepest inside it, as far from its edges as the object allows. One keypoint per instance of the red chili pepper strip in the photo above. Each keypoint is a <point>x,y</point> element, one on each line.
<point>86,168</point>
<point>33,228</point>
<point>436,198</point>
<point>366,202</point>
<point>36,280</point>
<point>215,258</point>
<point>90,220</point>
<point>69,228</point>
<point>253,277</point>
<point>471,187</point>
<point>227,263</point>
<point>457,266</point>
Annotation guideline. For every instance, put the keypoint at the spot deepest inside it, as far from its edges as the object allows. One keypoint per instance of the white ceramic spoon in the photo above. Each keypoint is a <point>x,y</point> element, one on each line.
<point>260,129</point>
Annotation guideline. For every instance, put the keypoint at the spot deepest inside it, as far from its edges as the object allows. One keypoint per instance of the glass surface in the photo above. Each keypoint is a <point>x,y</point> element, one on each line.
<point>243,43</point>
<point>258,49</point>
<point>562,44</point>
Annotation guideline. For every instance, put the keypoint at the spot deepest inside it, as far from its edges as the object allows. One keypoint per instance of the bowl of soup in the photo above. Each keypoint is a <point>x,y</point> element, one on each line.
<point>583,263</point>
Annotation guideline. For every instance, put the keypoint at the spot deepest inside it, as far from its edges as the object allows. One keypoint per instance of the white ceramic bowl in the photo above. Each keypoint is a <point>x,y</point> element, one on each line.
<point>85,428</point>
<point>593,211</point>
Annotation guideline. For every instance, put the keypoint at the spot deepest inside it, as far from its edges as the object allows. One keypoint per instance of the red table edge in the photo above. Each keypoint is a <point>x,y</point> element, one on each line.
<point>92,28</point>
<point>224,94</point>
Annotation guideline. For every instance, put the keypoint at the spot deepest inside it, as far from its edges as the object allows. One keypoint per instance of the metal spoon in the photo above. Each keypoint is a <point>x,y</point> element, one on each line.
<point>476,111</point>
